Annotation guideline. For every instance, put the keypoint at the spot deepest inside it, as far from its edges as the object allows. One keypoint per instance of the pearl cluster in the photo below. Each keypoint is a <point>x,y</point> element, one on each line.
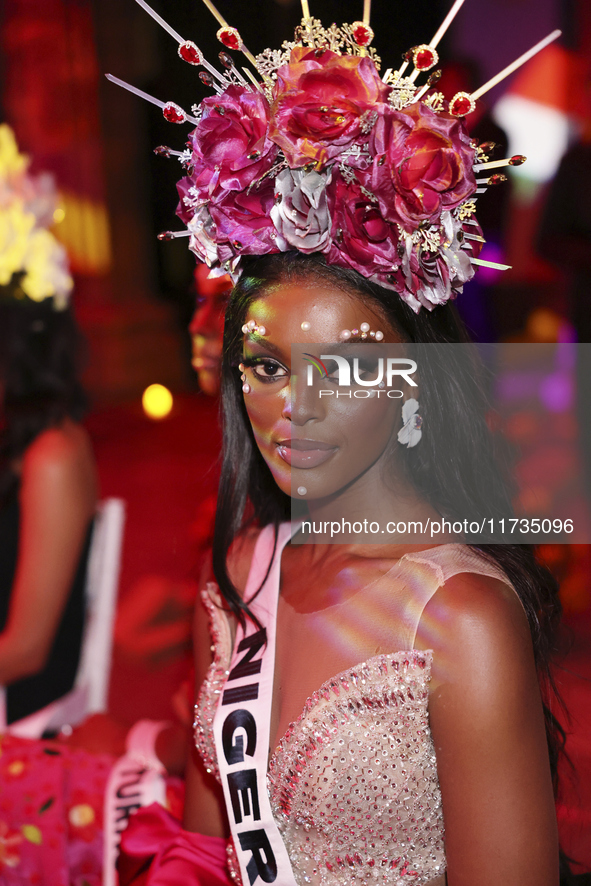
<point>251,327</point>
<point>363,332</point>
<point>245,386</point>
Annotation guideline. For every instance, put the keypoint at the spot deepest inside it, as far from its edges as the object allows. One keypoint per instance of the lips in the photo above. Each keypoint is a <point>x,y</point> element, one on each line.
<point>305,453</point>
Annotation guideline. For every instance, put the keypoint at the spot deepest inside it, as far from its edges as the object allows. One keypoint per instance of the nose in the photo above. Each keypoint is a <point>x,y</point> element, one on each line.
<point>205,321</point>
<point>302,401</point>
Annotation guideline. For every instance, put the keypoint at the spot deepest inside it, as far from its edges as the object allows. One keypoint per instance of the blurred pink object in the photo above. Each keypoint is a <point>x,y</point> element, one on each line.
<point>176,856</point>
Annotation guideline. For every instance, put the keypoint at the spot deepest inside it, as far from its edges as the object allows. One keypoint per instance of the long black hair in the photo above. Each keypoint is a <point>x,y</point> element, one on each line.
<point>40,349</point>
<point>464,479</point>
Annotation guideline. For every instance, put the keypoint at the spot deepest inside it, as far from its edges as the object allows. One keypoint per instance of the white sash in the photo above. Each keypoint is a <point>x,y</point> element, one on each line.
<point>241,727</point>
<point>137,779</point>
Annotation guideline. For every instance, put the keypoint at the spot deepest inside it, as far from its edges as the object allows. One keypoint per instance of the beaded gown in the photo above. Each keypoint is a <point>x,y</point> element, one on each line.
<point>353,777</point>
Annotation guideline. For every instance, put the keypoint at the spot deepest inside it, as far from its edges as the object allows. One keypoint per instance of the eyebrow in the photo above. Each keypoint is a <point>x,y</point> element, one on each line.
<point>260,341</point>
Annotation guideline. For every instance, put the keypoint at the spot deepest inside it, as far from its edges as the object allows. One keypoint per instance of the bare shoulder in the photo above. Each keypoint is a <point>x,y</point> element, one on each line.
<point>478,623</point>
<point>65,447</point>
<point>60,463</point>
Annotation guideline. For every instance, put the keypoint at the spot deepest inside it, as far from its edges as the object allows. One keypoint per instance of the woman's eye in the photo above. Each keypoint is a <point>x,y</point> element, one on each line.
<point>332,369</point>
<point>367,368</point>
<point>268,370</point>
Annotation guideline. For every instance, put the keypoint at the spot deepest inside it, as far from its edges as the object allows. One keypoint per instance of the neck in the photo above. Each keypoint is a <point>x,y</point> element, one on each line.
<point>373,511</point>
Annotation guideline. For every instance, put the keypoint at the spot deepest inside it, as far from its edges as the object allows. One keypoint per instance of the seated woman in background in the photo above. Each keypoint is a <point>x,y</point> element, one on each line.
<point>48,493</point>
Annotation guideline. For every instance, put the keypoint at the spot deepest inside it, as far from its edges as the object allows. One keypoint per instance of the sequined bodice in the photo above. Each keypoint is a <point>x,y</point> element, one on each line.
<point>353,782</point>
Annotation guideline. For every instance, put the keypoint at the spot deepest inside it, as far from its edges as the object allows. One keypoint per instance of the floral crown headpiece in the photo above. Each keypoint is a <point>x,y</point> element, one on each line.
<point>318,152</point>
<point>33,265</point>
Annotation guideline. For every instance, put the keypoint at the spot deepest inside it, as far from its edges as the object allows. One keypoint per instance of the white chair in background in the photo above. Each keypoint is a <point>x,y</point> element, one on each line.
<point>90,692</point>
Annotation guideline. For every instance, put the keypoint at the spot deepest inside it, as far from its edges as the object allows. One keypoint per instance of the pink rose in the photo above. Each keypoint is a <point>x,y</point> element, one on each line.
<point>188,202</point>
<point>361,238</point>
<point>243,223</point>
<point>319,101</point>
<point>231,147</point>
<point>422,164</point>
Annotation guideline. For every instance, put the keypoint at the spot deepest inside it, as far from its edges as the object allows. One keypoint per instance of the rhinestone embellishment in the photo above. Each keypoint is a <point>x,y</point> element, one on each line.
<point>230,38</point>
<point>461,104</point>
<point>190,53</point>
<point>424,57</point>
<point>362,34</point>
<point>173,113</point>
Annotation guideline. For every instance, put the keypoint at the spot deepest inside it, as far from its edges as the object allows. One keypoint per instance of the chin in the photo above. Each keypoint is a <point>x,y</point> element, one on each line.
<point>280,470</point>
<point>209,383</point>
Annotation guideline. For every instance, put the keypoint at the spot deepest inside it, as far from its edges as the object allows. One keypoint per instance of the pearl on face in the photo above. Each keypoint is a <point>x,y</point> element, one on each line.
<point>302,490</point>
<point>379,335</point>
<point>364,327</point>
<point>251,327</point>
<point>305,326</point>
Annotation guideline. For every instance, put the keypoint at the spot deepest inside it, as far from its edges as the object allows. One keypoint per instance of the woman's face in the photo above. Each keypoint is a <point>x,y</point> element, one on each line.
<point>207,328</point>
<point>318,443</point>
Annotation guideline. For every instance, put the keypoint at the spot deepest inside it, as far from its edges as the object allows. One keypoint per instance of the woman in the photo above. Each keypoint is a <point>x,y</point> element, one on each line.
<point>487,624</point>
<point>207,327</point>
<point>48,492</point>
<point>393,685</point>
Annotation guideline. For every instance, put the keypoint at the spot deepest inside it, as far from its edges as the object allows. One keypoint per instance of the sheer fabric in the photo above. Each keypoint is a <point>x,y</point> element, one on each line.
<point>353,777</point>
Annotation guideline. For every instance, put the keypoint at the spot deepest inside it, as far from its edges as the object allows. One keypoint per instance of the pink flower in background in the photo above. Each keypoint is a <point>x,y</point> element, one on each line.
<point>422,164</point>
<point>319,102</point>
<point>231,147</point>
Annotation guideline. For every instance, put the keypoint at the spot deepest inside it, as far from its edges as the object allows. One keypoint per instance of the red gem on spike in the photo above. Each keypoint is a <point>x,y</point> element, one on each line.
<point>230,38</point>
<point>362,34</point>
<point>173,113</point>
<point>517,160</point>
<point>461,104</point>
<point>162,151</point>
<point>497,179</point>
<point>165,235</point>
<point>190,53</point>
<point>424,57</point>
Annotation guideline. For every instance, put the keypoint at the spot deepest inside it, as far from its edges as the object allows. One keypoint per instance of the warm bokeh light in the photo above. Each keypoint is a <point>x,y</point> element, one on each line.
<point>157,401</point>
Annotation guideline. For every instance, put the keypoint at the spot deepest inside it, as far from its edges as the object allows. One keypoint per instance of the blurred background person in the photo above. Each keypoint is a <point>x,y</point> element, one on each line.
<point>207,328</point>
<point>48,485</point>
<point>149,624</point>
